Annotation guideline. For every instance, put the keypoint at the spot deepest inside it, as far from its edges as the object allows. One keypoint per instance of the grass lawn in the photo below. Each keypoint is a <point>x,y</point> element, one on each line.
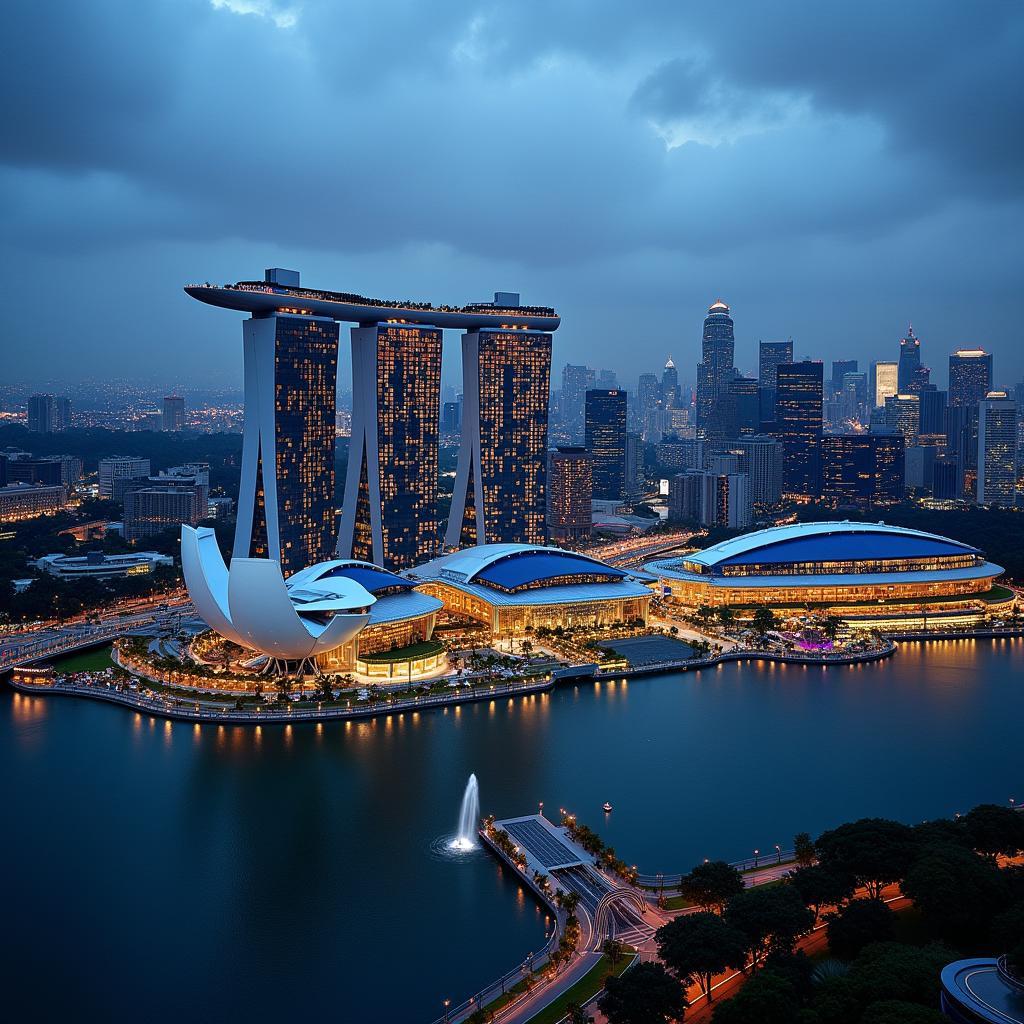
<point>588,986</point>
<point>677,903</point>
<point>84,661</point>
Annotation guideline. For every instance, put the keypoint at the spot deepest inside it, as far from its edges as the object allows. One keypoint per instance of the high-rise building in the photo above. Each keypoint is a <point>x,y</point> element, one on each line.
<point>42,414</point>
<point>884,382</point>
<point>862,470</point>
<point>576,382</point>
<point>26,501</point>
<point>286,498</point>
<point>933,416</point>
<point>607,380</point>
<point>121,467</point>
<point>909,362</point>
<point>798,425</point>
<point>451,418</point>
<point>760,458</point>
<point>606,441</point>
<point>903,413</point>
<point>151,510</point>
<point>570,490</point>
<point>634,465</point>
<point>671,397</point>
<point>499,491</point>
<point>717,354</point>
<point>63,413</point>
<point>389,516</point>
<point>970,376</point>
<point>841,367</point>
<point>174,412</point>
<point>997,450</point>
<point>770,355</point>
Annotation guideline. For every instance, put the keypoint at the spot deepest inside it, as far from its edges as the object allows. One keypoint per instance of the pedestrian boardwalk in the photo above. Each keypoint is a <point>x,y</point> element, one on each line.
<point>542,844</point>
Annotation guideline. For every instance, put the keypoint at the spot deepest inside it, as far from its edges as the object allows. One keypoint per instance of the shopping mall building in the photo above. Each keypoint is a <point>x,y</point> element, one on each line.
<point>515,589</point>
<point>870,574</point>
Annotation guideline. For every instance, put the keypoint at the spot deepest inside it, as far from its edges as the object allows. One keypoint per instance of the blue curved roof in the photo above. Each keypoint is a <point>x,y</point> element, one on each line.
<point>836,547</point>
<point>370,577</point>
<point>523,568</point>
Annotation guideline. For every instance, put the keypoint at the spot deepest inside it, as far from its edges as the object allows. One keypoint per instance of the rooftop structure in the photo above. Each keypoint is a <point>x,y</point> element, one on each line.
<point>97,565</point>
<point>277,294</point>
<point>513,588</point>
<point>981,991</point>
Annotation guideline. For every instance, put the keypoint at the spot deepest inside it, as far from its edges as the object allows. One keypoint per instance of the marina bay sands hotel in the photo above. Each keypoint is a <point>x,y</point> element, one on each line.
<point>389,517</point>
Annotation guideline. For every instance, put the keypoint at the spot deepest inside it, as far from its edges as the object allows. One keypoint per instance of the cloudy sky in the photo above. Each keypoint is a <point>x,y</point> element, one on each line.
<point>832,171</point>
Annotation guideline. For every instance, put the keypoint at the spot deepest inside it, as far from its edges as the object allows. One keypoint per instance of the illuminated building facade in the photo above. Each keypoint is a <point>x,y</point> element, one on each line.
<point>903,413</point>
<point>771,355</point>
<point>862,470</point>
<point>718,344</point>
<point>389,515</point>
<point>286,499</point>
<point>997,450</point>
<point>907,370</point>
<point>798,425</point>
<point>25,501</point>
<point>116,468</point>
<point>884,382</point>
<point>606,441</point>
<point>174,412</point>
<point>870,574</point>
<point>500,487</point>
<point>970,376</point>
<point>570,491</point>
<point>516,589</point>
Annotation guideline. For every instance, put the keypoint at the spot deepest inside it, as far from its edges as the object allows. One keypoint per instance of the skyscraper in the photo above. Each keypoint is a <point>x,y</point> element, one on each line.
<point>121,467</point>
<point>606,441</point>
<point>716,365</point>
<point>760,457</point>
<point>671,397</point>
<point>570,483</point>
<point>884,382</point>
<point>997,450</point>
<point>933,416</point>
<point>174,412</point>
<point>798,424</point>
<point>499,491</point>
<point>576,381</point>
<point>42,414</point>
<point>389,516</point>
<point>909,362</point>
<point>903,413</point>
<point>862,470</point>
<point>648,397</point>
<point>634,465</point>
<point>970,376</point>
<point>770,355</point>
<point>286,497</point>
<point>841,367</point>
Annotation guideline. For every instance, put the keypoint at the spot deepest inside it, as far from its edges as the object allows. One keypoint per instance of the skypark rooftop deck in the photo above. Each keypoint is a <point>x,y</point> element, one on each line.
<point>270,297</point>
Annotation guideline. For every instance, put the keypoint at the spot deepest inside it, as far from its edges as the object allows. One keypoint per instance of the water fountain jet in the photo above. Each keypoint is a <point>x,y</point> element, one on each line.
<point>469,817</point>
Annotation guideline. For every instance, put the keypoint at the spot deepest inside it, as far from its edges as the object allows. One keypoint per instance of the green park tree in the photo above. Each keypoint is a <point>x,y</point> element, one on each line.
<point>821,886</point>
<point>803,849</point>
<point>699,946</point>
<point>711,885</point>
<point>993,830</point>
<point>771,918</point>
<point>875,851</point>
<point>857,925</point>
<point>647,994</point>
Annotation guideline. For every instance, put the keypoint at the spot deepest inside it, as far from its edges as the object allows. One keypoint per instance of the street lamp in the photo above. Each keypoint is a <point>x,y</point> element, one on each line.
<point>540,808</point>
<point>778,854</point>
<point>756,855</point>
<point>447,1003</point>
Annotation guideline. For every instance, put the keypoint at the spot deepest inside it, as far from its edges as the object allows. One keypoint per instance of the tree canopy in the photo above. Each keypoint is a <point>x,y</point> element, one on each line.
<point>711,885</point>
<point>857,925</point>
<point>647,994</point>
<point>771,917</point>
<point>699,946</point>
<point>993,829</point>
<point>875,851</point>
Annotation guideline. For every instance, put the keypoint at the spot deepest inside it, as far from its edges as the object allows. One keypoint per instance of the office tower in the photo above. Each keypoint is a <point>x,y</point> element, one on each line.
<point>970,376</point>
<point>120,467</point>
<point>919,465</point>
<point>903,413</point>
<point>862,470</point>
<point>174,412</point>
<point>680,453</point>
<point>286,497</point>
<point>909,362</point>
<point>770,355</point>
<point>499,491</point>
<point>570,490</point>
<point>634,465</point>
<point>742,398</point>
<point>576,382</point>
<point>760,458</point>
<point>671,396</point>
<point>962,444</point>
<point>62,413</point>
<point>997,450</point>
<point>947,484</point>
<point>798,425</point>
<point>42,414</point>
<point>841,367</point>
<point>933,416</point>
<point>606,441</point>
<point>716,366</point>
<point>607,380</point>
<point>389,516</point>
<point>919,380</point>
<point>884,382</point>
<point>151,510</point>
<point>451,419</point>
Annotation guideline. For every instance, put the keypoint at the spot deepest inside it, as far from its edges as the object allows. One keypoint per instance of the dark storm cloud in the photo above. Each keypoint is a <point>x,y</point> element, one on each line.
<point>583,146</point>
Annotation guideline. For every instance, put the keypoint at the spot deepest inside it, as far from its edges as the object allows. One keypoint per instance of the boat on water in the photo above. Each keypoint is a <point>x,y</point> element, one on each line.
<point>607,807</point>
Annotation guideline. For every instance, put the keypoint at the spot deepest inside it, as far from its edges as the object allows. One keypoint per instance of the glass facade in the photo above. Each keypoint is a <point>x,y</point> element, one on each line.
<point>970,376</point>
<point>606,442</point>
<point>717,353</point>
<point>798,425</point>
<point>503,465</point>
<point>862,470</point>
<point>570,488</point>
<point>997,451</point>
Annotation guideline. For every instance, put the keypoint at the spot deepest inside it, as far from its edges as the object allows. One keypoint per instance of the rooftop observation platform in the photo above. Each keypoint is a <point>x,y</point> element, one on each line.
<point>281,293</point>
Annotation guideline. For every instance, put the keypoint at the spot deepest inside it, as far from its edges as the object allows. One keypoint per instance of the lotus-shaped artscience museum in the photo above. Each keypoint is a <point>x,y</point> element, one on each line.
<point>253,606</point>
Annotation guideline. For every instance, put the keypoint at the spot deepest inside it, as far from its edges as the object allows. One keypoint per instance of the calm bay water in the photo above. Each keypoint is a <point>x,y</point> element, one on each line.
<point>156,870</point>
